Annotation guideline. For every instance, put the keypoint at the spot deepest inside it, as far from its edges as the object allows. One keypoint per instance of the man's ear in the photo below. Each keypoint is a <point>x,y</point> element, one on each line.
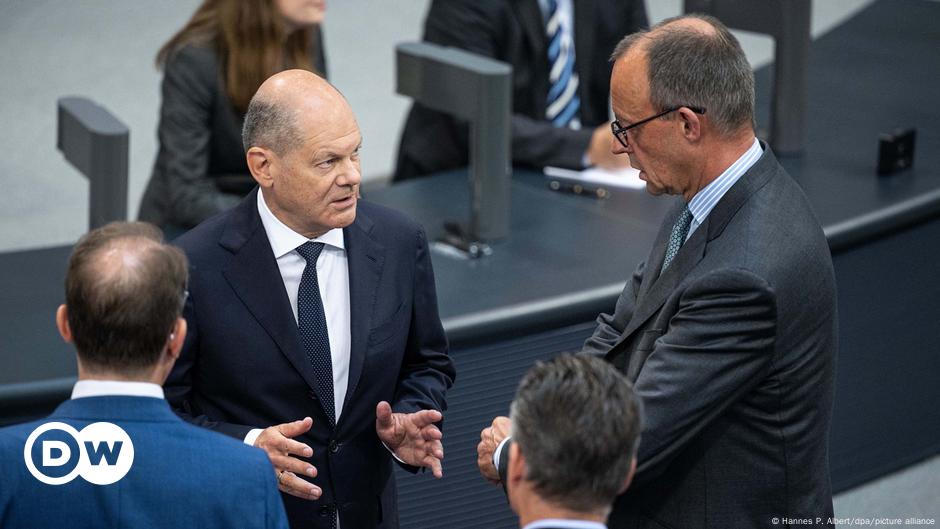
<point>691,124</point>
<point>62,323</point>
<point>515,470</point>
<point>626,482</point>
<point>260,164</point>
<point>177,338</point>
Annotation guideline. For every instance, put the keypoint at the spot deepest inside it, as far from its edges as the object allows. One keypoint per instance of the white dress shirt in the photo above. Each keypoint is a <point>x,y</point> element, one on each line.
<point>101,388</point>
<point>333,279</point>
<point>566,523</point>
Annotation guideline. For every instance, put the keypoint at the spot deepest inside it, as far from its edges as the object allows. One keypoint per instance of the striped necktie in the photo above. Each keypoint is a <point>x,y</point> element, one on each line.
<point>563,103</point>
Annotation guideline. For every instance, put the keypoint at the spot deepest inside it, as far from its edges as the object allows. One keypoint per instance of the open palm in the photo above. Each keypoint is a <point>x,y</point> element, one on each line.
<point>412,437</point>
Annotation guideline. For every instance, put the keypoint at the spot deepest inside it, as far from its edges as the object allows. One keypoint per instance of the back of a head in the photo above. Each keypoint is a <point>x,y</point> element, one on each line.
<point>124,291</point>
<point>694,60</point>
<point>576,421</point>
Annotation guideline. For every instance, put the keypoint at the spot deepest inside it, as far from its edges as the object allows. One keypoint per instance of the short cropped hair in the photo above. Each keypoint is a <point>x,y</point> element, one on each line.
<point>576,421</point>
<point>694,68</point>
<point>124,290</point>
<point>270,125</point>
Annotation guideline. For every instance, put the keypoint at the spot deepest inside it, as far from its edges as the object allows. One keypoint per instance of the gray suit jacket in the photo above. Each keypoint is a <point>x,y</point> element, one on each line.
<point>733,352</point>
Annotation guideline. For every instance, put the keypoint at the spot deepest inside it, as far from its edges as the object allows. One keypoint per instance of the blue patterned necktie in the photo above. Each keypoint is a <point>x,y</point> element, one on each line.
<point>679,232</point>
<point>311,320</point>
<point>563,103</point>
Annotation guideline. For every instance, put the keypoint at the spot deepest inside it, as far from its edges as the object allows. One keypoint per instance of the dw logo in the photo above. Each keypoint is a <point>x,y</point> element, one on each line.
<point>101,453</point>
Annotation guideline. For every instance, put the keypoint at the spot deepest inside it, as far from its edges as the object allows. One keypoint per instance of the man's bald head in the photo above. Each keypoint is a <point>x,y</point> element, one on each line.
<point>281,102</point>
<point>123,294</point>
<point>694,60</point>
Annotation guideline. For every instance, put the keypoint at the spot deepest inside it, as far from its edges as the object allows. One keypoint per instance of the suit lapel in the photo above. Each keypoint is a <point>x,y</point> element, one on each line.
<point>655,260</point>
<point>755,178</point>
<point>530,18</point>
<point>654,291</point>
<point>583,28</point>
<point>689,255</point>
<point>254,276</point>
<point>365,258</point>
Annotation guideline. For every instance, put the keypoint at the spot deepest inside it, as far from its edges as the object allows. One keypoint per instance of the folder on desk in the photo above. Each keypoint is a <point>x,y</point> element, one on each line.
<point>593,180</point>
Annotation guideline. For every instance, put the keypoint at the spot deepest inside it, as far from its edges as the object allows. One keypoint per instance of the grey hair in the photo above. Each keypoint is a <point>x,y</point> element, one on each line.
<point>576,421</point>
<point>270,125</point>
<point>689,67</point>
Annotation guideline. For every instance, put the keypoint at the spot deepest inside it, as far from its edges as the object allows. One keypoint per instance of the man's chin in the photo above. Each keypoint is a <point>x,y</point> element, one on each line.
<point>347,217</point>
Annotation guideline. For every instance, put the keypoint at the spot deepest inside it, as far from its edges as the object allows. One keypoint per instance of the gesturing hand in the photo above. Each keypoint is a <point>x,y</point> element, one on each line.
<point>489,440</point>
<point>411,436</point>
<point>276,441</point>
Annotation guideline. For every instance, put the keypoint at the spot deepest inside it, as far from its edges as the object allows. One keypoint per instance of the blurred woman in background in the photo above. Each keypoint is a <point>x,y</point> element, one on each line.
<point>212,67</point>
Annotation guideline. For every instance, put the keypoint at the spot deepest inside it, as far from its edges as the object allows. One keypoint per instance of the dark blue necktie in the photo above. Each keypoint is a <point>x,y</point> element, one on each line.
<point>311,320</point>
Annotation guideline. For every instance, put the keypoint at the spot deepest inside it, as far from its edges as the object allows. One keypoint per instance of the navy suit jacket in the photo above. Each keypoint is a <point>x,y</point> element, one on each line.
<point>243,365</point>
<point>181,476</point>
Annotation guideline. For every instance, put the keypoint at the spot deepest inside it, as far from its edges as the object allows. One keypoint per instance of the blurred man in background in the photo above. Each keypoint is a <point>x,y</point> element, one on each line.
<point>558,50</point>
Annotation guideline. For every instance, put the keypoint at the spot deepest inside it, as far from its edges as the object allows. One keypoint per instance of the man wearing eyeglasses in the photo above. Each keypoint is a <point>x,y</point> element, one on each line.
<point>728,330</point>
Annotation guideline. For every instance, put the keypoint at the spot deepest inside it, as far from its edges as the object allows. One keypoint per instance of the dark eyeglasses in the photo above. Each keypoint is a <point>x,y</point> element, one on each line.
<point>620,132</point>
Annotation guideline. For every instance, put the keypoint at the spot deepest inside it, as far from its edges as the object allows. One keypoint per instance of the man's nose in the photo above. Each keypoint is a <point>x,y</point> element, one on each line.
<point>351,174</point>
<point>617,147</point>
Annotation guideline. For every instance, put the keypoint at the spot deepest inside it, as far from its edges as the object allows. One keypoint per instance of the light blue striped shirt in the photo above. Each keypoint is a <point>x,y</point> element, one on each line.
<point>704,201</point>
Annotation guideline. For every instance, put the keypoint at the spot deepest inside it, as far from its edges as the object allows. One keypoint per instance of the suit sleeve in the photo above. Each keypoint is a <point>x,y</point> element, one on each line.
<point>475,27</point>
<point>611,326</point>
<point>185,136</point>
<point>178,386</point>
<point>11,468</point>
<point>427,371</point>
<point>717,347</point>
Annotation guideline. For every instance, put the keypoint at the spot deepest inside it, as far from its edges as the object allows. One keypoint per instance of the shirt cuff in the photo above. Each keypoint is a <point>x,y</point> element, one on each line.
<point>253,436</point>
<point>499,449</point>
<point>390,451</point>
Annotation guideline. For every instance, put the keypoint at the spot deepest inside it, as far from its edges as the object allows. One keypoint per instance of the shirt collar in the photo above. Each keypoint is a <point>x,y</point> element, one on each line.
<point>100,388</point>
<point>284,240</point>
<point>567,524</point>
<point>705,200</point>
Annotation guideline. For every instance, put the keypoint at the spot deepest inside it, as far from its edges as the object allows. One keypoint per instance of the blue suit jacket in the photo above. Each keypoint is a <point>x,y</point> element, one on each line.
<point>243,365</point>
<point>181,476</point>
